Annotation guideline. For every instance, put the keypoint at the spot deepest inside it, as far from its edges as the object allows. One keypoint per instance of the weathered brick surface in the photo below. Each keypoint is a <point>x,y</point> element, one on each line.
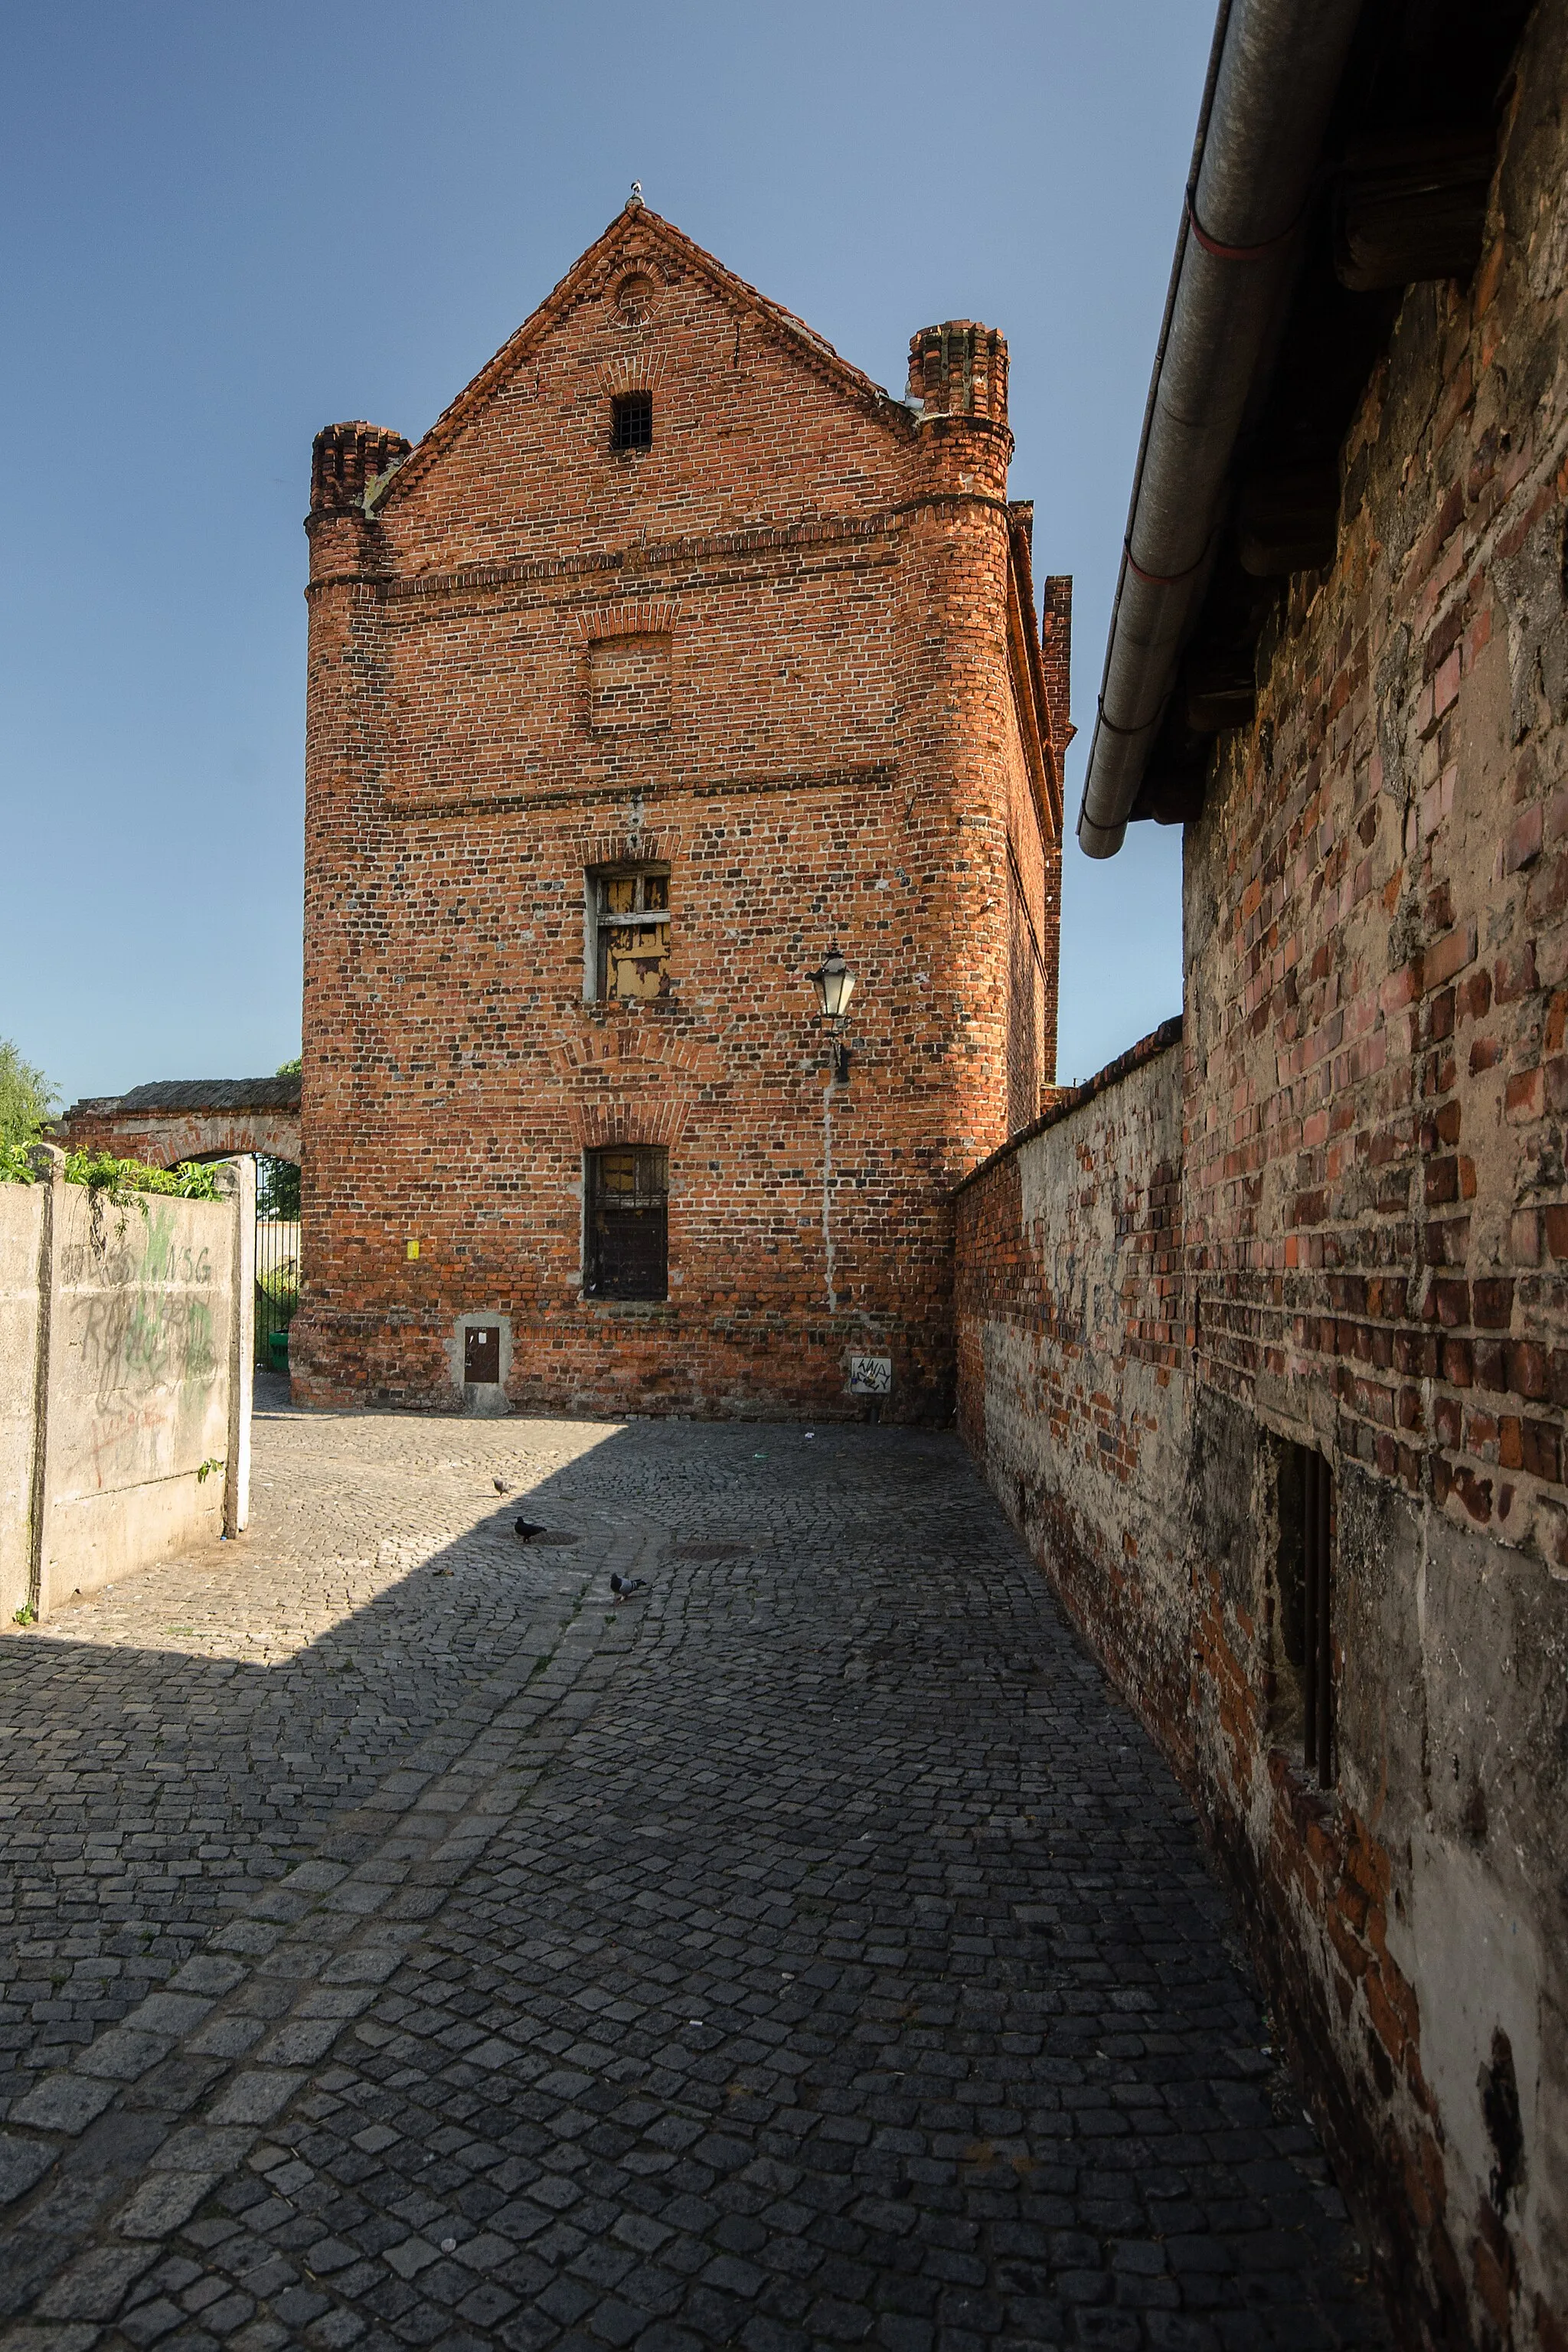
<point>1372,1214</point>
<point>790,651</point>
<point>1073,1356</point>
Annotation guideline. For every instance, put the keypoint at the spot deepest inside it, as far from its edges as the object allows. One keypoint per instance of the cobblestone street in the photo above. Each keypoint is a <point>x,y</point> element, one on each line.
<point>410,1945</point>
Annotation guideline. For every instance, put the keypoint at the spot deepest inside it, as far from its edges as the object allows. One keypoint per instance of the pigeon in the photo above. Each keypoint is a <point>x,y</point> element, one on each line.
<point>528,1529</point>
<point>501,1485</point>
<point>623,1586</point>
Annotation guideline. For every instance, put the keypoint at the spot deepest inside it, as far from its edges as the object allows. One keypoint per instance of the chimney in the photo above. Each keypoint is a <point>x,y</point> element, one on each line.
<point>1055,654</point>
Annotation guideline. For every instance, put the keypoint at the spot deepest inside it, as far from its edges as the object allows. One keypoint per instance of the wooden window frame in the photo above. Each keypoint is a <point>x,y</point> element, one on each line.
<point>602,922</point>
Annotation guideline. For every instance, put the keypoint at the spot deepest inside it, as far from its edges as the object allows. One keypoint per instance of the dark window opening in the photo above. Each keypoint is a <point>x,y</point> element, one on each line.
<point>481,1352</point>
<point>631,420</point>
<point>627,1192</point>
<point>1304,1655</point>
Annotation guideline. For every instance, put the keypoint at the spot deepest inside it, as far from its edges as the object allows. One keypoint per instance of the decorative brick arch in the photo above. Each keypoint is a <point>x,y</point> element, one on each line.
<point>194,1118</point>
<point>629,849</point>
<point>658,1118</point>
<point>633,371</point>
<point>624,1050</point>
<point>650,616</point>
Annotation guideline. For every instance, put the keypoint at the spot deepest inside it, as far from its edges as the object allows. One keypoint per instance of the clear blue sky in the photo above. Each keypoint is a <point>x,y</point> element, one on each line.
<point>231,224</point>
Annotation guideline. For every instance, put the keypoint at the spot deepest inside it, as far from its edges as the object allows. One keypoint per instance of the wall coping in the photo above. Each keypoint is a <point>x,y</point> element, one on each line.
<point>192,1094</point>
<point>1070,1099</point>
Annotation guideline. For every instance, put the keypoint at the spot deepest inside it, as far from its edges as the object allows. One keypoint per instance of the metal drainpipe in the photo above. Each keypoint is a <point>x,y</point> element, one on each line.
<point>1273,73</point>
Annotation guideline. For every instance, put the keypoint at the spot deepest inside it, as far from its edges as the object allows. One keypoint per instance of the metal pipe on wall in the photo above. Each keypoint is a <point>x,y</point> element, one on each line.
<point>1273,74</point>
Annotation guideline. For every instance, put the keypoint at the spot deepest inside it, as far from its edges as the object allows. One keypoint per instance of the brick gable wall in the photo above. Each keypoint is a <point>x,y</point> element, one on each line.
<point>780,653</point>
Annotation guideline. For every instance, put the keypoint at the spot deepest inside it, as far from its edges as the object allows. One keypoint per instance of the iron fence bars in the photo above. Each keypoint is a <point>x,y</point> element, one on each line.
<point>277,1288</point>
<point>626,1222</point>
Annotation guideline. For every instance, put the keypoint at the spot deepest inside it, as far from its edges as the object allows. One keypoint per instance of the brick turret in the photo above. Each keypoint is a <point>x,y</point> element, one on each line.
<point>958,377</point>
<point>960,369</point>
<point>959,538</point>
<point>1056,654</point>
<point>344,458</point>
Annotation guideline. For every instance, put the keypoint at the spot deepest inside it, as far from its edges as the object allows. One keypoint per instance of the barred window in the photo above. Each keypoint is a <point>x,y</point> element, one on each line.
<point>625,1196</point>
<point>631,420</point>
<point>1303,1650</point>
<point>628,922</point>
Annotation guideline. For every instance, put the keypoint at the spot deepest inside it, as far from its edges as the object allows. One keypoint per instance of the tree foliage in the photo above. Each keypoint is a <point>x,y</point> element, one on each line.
<point>277,1180</point>
<point>118,1179</point>
<point>26,1098</point>
<point>192,1180</point>
<point>277,1189</point>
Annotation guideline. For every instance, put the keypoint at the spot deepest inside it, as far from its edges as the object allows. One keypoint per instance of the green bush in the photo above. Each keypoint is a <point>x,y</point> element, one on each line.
<point>281,1291</point>
<point>192,1180</point>
<point>117,1179</point>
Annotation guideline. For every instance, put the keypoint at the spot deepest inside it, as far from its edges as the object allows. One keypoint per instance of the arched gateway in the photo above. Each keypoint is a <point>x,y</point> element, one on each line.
<point>188,1118</point>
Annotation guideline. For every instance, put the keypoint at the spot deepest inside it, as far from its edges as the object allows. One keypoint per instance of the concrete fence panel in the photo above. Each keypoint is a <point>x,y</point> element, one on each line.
<point>22,1233</point>
<point>124,1379</point>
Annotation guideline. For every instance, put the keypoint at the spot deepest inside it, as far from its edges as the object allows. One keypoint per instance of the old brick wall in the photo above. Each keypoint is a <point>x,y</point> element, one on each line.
<point>1373,1210</point>
<point>1073,1360</point>
<point>788,651</point>
<point>186,1119</point>
<point>1377,988</point>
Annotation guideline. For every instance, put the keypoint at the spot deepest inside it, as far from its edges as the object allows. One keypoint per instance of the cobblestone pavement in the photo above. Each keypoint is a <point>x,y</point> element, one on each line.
<point>412,1947</point>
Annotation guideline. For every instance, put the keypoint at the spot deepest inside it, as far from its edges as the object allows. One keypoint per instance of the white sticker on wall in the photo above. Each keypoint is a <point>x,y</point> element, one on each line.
<point>870,1375</point>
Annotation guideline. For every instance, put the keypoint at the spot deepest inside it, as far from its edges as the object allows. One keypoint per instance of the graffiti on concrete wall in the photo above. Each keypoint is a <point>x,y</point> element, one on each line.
<point>143,1295</point>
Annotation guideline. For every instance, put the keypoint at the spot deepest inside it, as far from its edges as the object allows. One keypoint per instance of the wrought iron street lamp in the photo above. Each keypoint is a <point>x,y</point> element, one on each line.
<point>835,985</point>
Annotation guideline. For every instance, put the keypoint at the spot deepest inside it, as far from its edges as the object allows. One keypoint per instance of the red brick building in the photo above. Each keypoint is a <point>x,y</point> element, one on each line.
<point>676,654</point>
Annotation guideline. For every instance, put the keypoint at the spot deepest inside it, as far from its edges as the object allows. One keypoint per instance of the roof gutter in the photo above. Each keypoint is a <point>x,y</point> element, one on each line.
<point>1273,74</point>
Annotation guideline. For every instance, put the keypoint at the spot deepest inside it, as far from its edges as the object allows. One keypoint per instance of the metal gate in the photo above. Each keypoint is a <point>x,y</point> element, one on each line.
<point>277,1260</point>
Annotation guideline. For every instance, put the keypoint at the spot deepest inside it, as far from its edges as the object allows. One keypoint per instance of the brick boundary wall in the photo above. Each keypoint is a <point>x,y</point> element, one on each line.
<point>1152,1513</point>
<point>1073,1363</point>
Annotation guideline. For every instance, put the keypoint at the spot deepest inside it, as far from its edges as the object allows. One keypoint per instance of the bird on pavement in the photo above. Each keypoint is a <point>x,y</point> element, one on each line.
<point>623,1586</point>
<point>528,1529</point>
<point>501,1485</point>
